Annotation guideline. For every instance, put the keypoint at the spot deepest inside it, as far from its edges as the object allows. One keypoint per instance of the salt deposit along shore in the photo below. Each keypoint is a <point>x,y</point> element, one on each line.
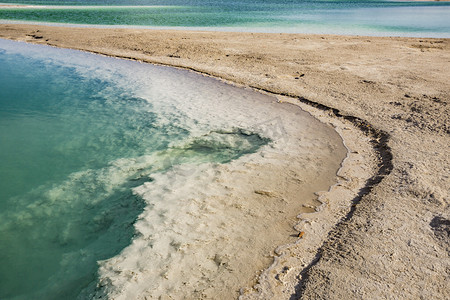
<point>391,240</point>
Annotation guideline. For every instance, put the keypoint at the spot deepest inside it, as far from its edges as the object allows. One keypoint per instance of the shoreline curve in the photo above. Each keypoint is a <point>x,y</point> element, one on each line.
<point>393,162</point>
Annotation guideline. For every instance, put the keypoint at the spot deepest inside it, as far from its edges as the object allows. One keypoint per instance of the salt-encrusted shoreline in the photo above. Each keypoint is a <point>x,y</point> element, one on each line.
<point>207,228</point>
<point>396,242</point>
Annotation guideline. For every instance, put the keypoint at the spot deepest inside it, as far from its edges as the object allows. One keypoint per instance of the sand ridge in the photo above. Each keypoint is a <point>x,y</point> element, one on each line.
<point>395,245</point>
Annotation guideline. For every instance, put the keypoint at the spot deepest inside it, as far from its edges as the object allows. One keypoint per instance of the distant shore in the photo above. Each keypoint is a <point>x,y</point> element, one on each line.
<point>34,6</point>
<point>392,240</point>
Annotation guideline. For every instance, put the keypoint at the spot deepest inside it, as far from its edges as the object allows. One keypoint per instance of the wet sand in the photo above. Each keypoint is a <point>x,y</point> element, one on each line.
<point>383,231</point>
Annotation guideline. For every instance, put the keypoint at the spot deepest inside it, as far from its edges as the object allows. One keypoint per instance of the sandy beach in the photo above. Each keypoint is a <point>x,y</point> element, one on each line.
<point>383,231</point>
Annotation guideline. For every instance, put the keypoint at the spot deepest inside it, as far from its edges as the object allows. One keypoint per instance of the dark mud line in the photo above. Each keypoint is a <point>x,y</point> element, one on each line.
<point>379,141</point>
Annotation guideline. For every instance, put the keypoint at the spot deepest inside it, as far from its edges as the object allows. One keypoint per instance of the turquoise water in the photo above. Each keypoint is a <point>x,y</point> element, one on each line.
<point>76,135</point>
<point>370,17</point>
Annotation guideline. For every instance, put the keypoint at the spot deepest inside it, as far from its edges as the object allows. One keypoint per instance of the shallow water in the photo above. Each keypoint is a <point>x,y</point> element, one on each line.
<point>74,141</point>
<point>372,17</point>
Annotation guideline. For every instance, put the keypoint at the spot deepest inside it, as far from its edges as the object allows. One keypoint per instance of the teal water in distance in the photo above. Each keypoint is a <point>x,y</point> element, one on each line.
<point>369,17</point>
<point>75,139</point>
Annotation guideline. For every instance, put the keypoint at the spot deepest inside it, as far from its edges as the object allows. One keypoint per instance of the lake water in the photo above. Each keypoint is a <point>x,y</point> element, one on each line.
<point>369,17</point>
<point>74,140</point>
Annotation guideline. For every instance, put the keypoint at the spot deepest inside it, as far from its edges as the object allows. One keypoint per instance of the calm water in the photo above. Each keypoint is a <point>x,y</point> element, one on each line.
<point>369,17</point>
<point>77,133</point>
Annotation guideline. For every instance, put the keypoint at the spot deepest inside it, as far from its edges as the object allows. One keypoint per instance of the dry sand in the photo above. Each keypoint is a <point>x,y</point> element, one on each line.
<point>393,241</point>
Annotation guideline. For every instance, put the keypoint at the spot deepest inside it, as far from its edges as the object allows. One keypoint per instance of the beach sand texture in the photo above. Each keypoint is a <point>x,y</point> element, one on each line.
<point>395,243</point>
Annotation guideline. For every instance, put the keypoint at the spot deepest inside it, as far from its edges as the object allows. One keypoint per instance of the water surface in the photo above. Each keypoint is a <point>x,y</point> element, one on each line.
<point>77,134</point>
<point>370,17</point>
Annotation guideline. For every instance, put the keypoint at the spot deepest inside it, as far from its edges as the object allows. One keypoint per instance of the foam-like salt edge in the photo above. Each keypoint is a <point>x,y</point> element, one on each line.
<point>215,227</point>
<point>270,178</point>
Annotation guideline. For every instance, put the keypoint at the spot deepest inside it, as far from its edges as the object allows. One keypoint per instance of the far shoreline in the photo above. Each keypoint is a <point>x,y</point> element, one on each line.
<point>430,35</point>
